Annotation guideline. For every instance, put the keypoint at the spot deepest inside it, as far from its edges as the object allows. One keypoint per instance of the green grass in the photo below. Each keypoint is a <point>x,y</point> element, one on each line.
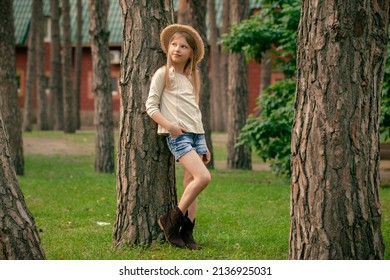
<point>242,214</point>
<point>82,136</point>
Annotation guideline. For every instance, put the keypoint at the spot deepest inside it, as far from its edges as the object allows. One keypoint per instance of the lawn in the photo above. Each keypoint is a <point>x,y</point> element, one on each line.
<point>243,215</point>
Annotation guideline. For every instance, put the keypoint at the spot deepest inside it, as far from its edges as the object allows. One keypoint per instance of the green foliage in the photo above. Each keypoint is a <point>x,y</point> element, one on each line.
<point>275,3</point>
<point>270,132</point>
<point>287,45</point>
<point>274,27</point>
<point>251,36</point>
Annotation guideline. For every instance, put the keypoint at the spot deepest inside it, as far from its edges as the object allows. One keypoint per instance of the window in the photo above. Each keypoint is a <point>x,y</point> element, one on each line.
<point>114,86</point>
<point>20,79</point>
<point>47,29</point>
<point>47,84</point>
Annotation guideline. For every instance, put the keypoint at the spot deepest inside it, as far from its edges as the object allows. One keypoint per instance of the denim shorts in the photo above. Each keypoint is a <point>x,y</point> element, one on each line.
<point>185,143</point>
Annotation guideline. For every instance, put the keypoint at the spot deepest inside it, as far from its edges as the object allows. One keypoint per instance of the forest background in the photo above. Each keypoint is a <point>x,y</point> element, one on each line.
<point>272,123</point>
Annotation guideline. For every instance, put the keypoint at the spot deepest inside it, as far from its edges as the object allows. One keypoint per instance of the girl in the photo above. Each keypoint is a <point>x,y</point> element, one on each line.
<point>173,104</point>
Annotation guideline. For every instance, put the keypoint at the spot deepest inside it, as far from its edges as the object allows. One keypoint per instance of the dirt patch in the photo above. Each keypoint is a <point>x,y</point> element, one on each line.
<point>221,164</point>
<point>48,146</point>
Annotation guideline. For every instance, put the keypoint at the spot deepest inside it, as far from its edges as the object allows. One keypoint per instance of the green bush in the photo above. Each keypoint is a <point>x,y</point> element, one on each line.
<point>274,28</point>
<point>270,132</point>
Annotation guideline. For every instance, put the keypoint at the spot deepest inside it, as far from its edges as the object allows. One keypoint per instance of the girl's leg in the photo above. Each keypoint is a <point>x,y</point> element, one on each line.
<point>175,219</point>
<point>187,179</point>
<point>188,225</point>
<point>195,167</point>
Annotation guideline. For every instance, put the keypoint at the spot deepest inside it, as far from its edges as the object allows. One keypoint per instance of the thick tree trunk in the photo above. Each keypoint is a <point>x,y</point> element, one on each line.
<point>56,113</point>
<point>101,86</point>
<point>69,125</point>
<point>146,169</point>
<point>42,123</point>
<point>28,111</point>
<point>19,239</point>
<point>9,101</point>
<point>335,208</point>
<point>196,17</point>
<point>238,157</point>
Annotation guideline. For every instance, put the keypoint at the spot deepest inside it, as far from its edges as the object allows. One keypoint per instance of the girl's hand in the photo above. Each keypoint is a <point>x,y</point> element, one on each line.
<point>207,157</point>
<point>176,130</point>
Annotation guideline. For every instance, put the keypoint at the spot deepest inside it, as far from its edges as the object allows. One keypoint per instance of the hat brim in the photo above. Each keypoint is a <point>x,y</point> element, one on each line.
<point>168,31</point>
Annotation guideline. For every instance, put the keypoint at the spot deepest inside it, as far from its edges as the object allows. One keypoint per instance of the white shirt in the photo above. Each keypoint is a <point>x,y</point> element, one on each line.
<point>177,105</point>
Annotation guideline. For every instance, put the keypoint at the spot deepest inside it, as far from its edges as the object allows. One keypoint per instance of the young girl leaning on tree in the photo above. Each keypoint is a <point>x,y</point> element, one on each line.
<point>173,104</point>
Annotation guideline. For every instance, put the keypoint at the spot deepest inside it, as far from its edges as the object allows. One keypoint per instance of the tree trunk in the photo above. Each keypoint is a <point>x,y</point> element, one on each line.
<point>266,70</point>
<point>146,169</point>
<point>19,239</point>
<point>214,72</point>
<point>183,12</point>
<point>56,113</point>
<point>69,125</point>
<point>42,123</point>
<point>335,208</point>
<point>101,86</point>
<point>238,157</point>
<point>195,12</point>
<point>224,67</point>
<point>77,64</point>
<point>9,101</point>
<point>28,113</point>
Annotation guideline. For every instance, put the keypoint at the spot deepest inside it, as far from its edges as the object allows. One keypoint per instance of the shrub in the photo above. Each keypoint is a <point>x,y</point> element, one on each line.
<point>269,133</point>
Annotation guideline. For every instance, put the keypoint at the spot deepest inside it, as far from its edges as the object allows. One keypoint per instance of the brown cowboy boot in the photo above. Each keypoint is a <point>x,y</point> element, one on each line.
<point>170,224</point>
<point>186,233</point>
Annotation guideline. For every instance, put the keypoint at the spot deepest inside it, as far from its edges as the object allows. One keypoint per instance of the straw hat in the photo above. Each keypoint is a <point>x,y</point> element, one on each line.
<point>168,31</point>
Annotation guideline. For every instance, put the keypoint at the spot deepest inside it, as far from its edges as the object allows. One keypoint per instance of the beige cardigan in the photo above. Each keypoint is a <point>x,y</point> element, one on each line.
<point>177,105</point>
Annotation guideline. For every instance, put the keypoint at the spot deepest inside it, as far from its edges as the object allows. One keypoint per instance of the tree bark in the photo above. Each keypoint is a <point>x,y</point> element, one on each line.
<point>266,70</point>
<point>77,64</point>
<point>183,12</point>
<point>42,123</point>
<point>238,157</point>
<point>196,17</point>
<point>19,239</point>
<point>28,111</point>
<point>224,68</point>
<point>101,86</point>
<point>69,125</point>
<point>146,169</point>
<point>335,207</point>
<point>214,72</point>
<point>56,113</point>
<point>9,101</point>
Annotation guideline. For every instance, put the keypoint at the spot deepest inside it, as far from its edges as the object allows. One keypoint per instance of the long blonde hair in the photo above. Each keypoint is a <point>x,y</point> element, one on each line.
<point>190,69</point>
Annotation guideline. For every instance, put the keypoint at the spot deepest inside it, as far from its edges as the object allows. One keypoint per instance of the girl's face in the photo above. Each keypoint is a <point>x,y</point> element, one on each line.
<point>179,50</point>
